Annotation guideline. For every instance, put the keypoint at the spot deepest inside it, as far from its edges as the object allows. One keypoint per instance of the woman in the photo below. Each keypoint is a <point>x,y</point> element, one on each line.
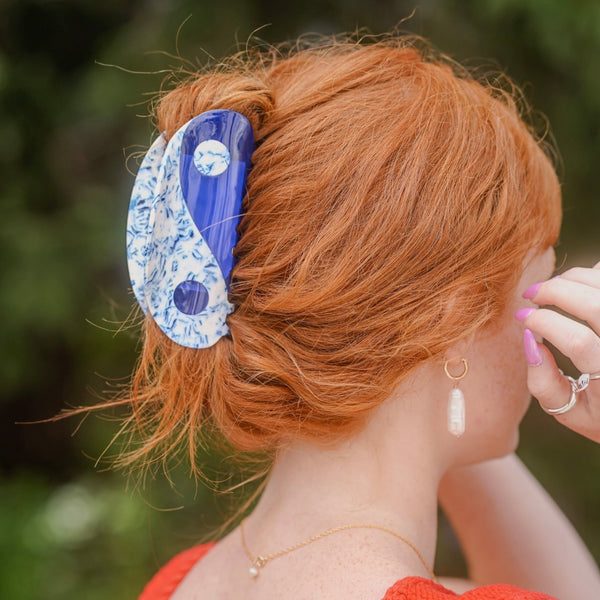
<point>397,214</point>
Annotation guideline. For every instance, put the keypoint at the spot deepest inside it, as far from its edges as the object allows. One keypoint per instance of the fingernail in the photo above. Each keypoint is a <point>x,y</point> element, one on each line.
<point>532,351</point>
<point>530,292</point>
<point>523,313</point>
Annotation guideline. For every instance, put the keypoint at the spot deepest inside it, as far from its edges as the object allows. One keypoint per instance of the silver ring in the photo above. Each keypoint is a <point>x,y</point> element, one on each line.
<point>577,385</point>
<point>572,400</point>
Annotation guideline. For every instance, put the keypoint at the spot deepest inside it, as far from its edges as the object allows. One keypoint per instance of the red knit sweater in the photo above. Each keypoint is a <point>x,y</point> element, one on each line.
<point>163,584</point>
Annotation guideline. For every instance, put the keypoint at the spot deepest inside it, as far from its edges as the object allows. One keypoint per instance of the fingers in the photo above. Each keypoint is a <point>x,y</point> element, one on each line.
<point>544,380</point>
<point>552,390</point>
<point>589,277</point>
<point>573,339</point>
<point>577,292</point>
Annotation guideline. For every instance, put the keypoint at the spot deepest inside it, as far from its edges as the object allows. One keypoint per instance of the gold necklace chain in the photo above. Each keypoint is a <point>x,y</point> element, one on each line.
<point>259,561</point>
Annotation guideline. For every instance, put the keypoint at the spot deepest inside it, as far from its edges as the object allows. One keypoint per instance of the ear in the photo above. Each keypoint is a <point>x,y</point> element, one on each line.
<point>459,350</point>
<point>455,302</point>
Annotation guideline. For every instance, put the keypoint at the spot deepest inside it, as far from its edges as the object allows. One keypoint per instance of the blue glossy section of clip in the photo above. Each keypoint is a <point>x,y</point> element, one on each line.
<point>214,163</point>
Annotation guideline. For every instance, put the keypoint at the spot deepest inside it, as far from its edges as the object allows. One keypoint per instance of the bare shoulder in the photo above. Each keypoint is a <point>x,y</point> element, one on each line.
<point>223,573</point>
<point>212,575</point>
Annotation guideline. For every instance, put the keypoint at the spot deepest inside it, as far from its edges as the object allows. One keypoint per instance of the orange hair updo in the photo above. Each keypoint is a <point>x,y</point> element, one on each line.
<point>387,185</point>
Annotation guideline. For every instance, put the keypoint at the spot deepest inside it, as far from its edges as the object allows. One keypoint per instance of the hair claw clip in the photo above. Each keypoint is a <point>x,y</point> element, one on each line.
<point>185,207</point>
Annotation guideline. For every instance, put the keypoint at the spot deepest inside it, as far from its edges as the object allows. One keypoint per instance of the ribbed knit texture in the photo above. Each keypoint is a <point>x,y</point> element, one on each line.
<point>163,584</point>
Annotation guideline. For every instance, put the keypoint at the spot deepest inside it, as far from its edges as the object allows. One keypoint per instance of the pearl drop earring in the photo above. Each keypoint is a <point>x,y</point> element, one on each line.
<point>456,401</point>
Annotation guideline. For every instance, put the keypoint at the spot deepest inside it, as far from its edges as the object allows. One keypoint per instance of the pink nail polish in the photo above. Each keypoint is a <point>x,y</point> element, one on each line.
<point>530,292</point>
<point>532,351</point>
<point>523,313</point>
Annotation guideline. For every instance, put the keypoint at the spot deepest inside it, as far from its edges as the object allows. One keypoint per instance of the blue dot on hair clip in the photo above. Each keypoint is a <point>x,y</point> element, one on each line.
<point>190,297</point>
<point>185,207</point>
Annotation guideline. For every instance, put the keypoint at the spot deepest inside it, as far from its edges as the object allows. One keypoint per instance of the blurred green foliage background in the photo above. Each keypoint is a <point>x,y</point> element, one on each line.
<point>68,123</point>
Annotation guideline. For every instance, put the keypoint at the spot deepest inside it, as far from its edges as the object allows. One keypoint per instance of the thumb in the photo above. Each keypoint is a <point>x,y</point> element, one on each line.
<point>553,391</point>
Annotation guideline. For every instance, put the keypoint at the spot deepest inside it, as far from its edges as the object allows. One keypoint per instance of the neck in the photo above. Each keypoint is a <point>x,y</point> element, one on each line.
<point>378,477</point>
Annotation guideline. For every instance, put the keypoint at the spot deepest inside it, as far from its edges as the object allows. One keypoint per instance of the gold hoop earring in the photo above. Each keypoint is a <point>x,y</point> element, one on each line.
<point>456,401</point>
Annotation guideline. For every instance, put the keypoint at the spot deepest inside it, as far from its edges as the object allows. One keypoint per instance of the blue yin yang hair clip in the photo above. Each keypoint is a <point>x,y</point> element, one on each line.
<point>185,207</point>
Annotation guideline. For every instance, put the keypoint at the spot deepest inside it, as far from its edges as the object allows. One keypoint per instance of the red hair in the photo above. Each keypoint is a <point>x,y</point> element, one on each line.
<point>388,185</point>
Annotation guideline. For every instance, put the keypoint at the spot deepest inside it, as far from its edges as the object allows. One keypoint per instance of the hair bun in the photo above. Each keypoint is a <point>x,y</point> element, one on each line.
<point>246,94</point>
<point>391,204</point>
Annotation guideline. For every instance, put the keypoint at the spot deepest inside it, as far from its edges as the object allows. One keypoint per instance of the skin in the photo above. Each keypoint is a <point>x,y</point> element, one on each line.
<point>396,469</point>
<point>577,292</point>
<point>470,494</point>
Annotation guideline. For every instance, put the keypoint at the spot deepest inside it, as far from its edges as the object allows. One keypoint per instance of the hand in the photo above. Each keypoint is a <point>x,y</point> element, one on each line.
<point>576,292</point>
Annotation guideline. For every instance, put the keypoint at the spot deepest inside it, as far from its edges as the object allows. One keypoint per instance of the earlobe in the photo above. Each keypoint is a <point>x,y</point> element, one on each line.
<point>459,349</point>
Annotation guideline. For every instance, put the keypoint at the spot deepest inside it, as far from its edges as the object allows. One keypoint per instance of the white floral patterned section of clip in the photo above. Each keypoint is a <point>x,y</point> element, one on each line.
<point>142,198</point>
<point>165,250</point>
